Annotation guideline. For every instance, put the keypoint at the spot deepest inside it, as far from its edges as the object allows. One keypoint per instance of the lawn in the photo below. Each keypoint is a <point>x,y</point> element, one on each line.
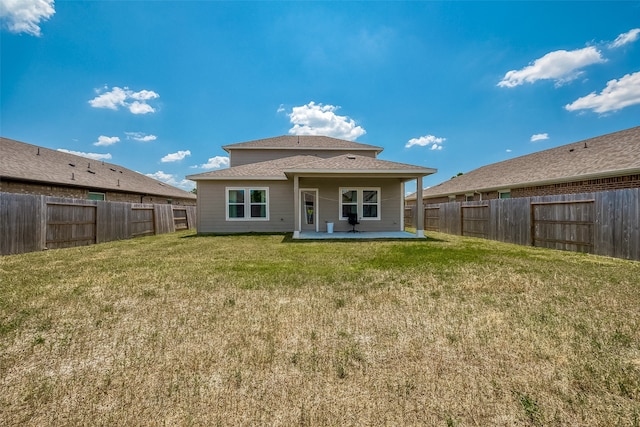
<point>251,330</point>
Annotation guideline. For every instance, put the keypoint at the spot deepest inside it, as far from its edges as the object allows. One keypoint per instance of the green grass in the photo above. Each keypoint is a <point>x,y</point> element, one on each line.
<point>259,330</point>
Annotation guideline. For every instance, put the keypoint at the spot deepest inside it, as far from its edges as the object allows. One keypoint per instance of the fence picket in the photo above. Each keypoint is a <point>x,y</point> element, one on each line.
<point>605,223</point>
<point>31,223</point>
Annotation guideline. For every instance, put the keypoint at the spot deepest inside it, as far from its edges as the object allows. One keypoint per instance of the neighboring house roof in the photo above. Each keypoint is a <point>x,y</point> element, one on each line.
<point>303,142</point>
<point>614,154</point>
<point>26,162</point>
<point>347,164</point>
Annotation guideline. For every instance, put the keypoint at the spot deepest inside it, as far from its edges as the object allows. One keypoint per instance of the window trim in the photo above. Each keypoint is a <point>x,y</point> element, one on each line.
<point>501,192</point>
<point>247,204</point>
<point>360,203</point>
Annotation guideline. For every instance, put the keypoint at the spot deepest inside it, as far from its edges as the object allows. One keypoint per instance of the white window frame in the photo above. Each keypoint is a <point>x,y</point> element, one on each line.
<point>247,203</point>
<point>360,203</point>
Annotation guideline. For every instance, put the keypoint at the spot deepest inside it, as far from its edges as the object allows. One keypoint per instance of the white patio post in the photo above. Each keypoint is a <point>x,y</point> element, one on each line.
<point>419,209</point>
<point>296,207</point>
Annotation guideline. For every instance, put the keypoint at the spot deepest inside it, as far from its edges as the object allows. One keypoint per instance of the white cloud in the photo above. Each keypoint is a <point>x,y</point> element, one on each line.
<point>626,38</point>
<point>318,119</point>
<point>561,66</point>
<point>216,162</point>
<point>539,137</point>
<point>137,107</point>
<point>112,100</point>
<point>508,150</point>
<point>104,141</point>
<point>175,157</point>
<point>139,136</point>
<point>617,95</point>
<point>424,141</point>
<point>118,97</point>
<point>94,156</point>
<point>170,179</point>
<point>144,95</point>
<point>24,16</point>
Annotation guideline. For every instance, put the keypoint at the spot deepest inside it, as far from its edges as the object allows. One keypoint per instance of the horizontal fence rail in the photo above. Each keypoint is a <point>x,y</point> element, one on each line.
<point>30,223</point>
<point>603,223</point>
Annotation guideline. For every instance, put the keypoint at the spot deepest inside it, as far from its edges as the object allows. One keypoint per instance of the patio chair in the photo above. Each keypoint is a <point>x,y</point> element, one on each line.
<point>353,221</point>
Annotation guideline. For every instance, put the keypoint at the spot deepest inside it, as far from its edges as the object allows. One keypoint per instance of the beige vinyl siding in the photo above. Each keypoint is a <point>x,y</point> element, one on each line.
<point>329,202</point>
<point>247,156</point>
<point>212,207</point>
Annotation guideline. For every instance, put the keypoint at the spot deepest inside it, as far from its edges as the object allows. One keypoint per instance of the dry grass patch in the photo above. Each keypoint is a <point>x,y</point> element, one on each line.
<point>256,330</point>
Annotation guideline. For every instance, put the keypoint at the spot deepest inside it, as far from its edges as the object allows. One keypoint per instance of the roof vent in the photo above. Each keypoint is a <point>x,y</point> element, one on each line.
<point>73,165</point>
<point>351,157</point>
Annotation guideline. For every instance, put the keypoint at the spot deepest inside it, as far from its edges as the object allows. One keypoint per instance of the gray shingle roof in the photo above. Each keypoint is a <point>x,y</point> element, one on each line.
<point>26,162</point>
<point>316,142</point>
<point>270,169</point>
<point>353,163</point>
<point>608,155</point>
<point>340,165</point>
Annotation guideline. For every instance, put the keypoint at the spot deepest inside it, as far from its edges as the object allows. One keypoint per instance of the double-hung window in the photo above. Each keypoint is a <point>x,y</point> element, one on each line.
<point>364,202</point>
<point>247,203</point>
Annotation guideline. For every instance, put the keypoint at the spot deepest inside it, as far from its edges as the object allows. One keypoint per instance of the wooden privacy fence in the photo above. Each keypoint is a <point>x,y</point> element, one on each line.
<point>31,223</point>
<point>603,223</point>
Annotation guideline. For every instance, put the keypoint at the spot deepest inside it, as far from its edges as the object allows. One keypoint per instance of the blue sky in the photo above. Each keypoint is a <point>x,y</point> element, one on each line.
<point>160,86</point>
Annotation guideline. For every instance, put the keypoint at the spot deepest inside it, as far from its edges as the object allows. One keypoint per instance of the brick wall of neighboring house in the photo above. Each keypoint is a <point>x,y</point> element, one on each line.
<point>586,186</point>
<point>83,193</point>
<point>42,189</point>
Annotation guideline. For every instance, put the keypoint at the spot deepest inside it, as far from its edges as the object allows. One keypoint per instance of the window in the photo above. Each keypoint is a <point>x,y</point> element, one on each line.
<point>247,204</point>
<point>349,202</point>
<point>504,194</point>
<point>96,196</point>
<point>370,203</point>
<point>364,202</point>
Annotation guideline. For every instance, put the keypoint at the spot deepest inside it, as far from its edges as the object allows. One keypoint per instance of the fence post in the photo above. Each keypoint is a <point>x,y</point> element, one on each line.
<point>42,226</point>
<point>532,231</point>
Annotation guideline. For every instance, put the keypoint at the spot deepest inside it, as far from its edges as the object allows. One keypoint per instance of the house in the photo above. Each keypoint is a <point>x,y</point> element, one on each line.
<point>29,169</point>
<point>304,184</point>
<point>607,162</point>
